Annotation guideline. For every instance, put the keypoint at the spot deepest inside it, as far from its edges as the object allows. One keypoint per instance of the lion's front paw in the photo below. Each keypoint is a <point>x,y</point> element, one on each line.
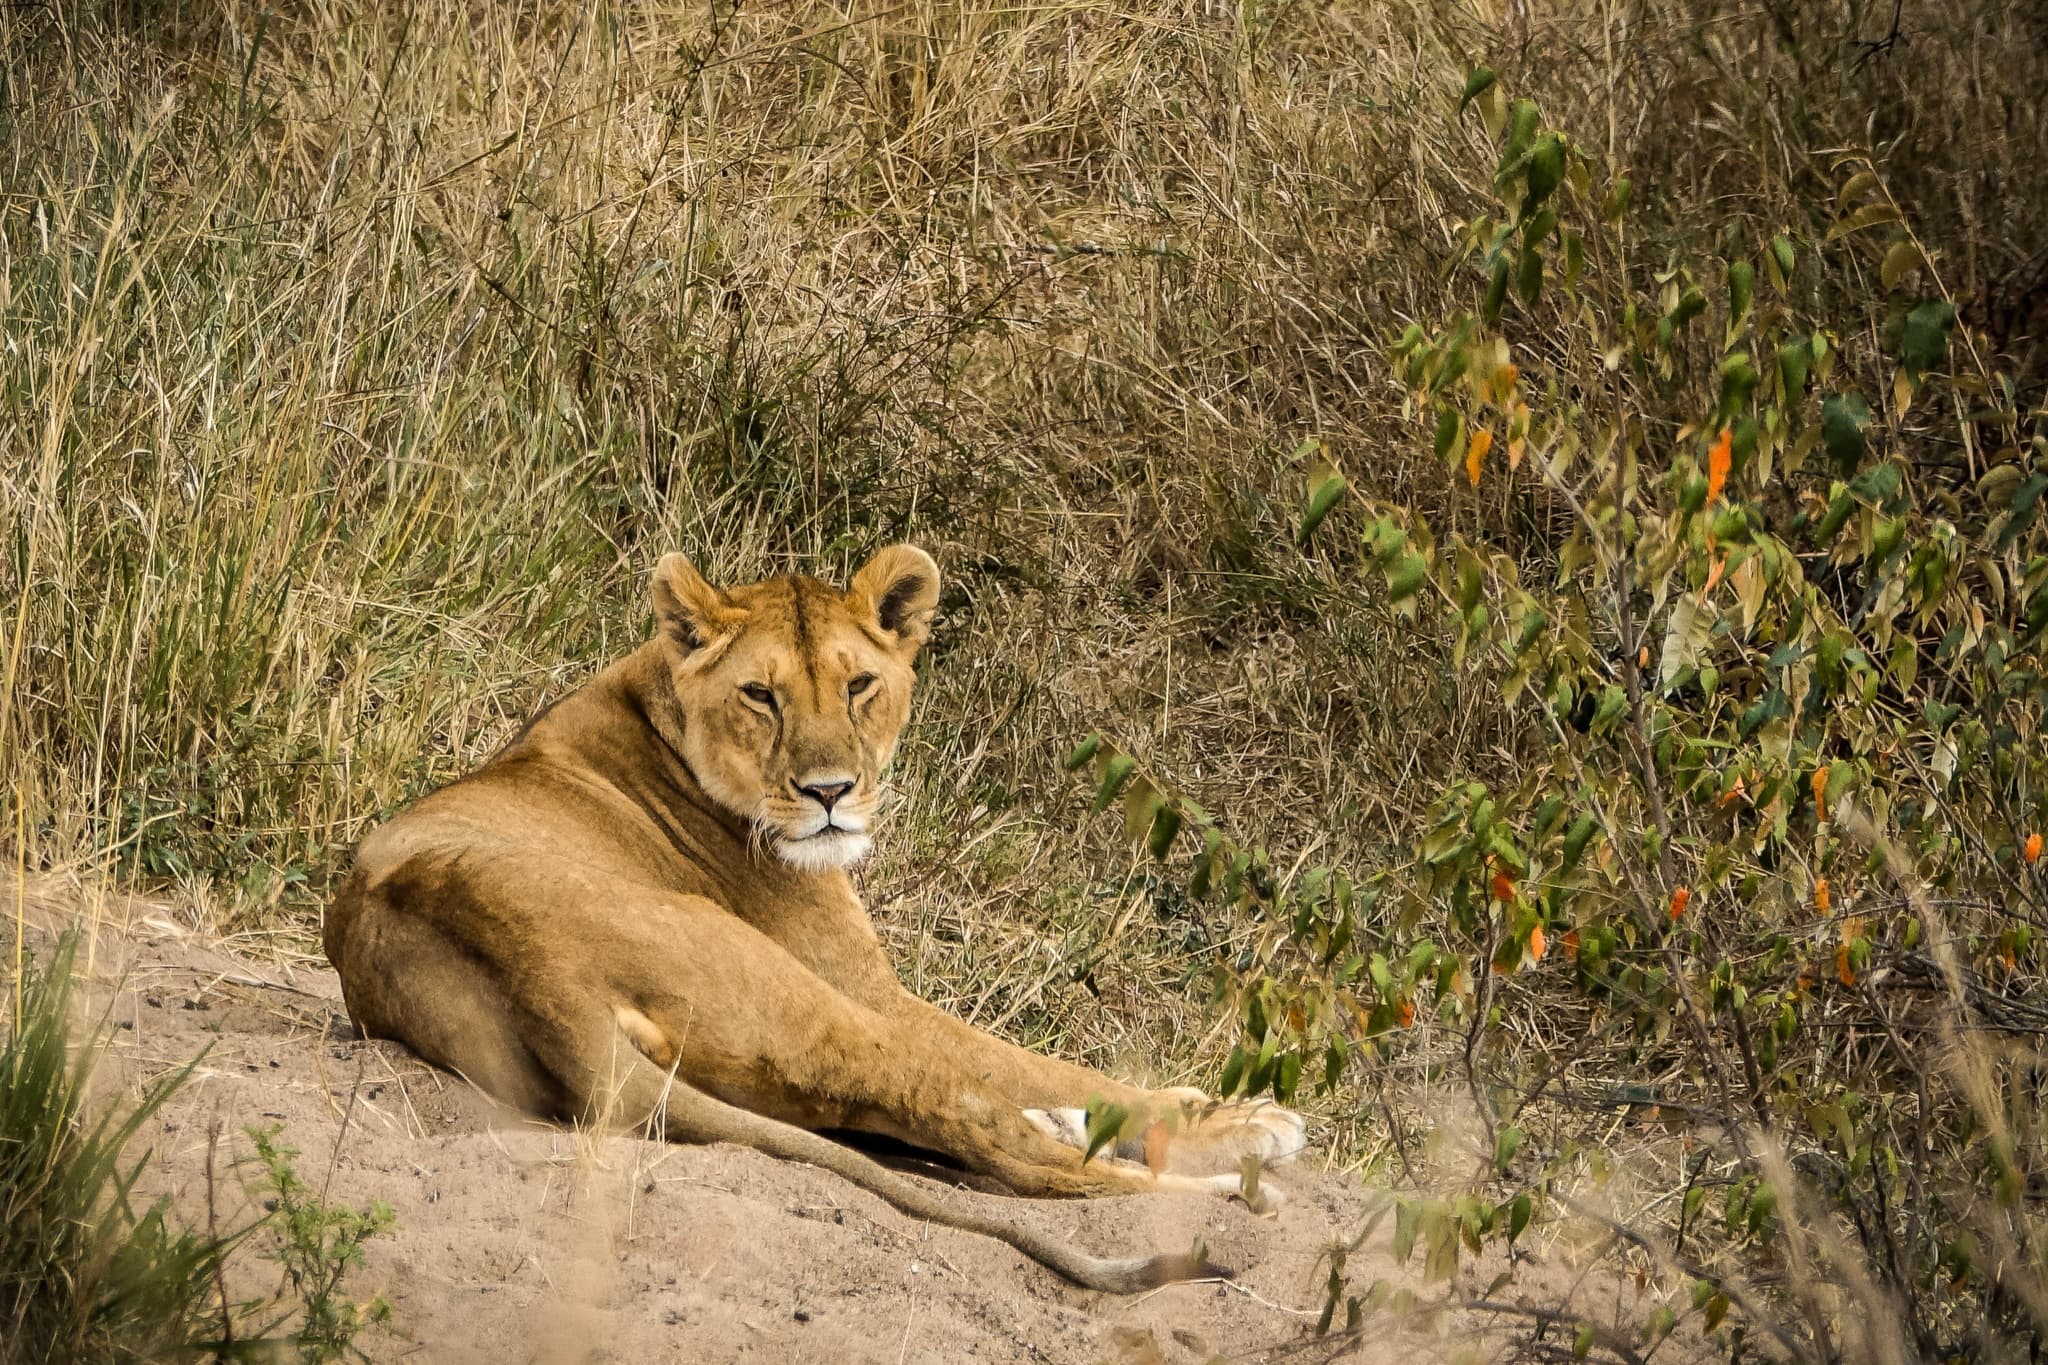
<point>1219,1135</point>
<point>1187,1133</point>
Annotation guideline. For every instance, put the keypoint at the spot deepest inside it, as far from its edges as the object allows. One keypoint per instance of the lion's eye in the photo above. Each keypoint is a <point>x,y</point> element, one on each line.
<point>759,694</point>
<point>859,686</point>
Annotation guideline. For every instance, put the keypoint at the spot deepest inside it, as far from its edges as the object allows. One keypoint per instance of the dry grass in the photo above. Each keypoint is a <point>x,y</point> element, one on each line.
<point>356,363</point>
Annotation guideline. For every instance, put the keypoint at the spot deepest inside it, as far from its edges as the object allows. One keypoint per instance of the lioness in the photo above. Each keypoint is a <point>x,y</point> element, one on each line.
<point>638,912</point>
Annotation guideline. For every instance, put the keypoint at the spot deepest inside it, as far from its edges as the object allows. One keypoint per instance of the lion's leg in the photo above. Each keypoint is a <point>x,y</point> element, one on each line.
<point>418,988</point>
<point>642,1093</point>
<point>1033,1080</point>
<point>839,943</point>
<point>703,995</point>
<point>1200,1135</point>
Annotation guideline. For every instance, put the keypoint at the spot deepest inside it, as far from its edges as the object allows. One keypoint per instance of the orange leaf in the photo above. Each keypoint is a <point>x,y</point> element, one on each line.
<point>1820,793</point>
<point>1404,1014</point>
<point>1714,578</point>
<point>1680,898</point>
<point>1503,887</point>
<point>1718,460</point>
<point>1844,973</point>
<point>1475,454</point>
<point>1157,1139</point>
<point>2034,847</point>
<point>1821,898</point>
<point>1504,382</point>
<point>1536,944</point>
<point>1571,944</point>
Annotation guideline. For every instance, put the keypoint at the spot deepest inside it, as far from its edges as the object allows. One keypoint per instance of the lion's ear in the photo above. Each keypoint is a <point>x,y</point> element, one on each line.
<point>901,585</point>
<point>686,608</point>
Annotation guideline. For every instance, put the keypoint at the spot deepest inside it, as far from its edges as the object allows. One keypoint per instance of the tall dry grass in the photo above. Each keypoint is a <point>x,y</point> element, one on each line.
<point>357,361</point>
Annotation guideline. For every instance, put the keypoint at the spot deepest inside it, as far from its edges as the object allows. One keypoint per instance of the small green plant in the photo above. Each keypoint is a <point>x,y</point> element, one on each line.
<point>84,1274</point>
<point>318,1244</point>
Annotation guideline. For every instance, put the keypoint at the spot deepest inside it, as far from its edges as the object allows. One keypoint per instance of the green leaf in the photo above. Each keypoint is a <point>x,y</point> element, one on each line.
<point>1261,1074</point>
<point>1529,275</point>
<point>1407,1218</point>
<point>1404,580</point>
<point>1084,751</point>
<point>1440,1245</point>
<point>1233,1072</point>
<point>1795,361</point>
<point>1923,344</point>
<point>1546,171</point>
<point>1287,1077</point>
<point>1103,1126</point>
<point>1690,305</point>
<point>1449,423</point>
<point>1506,1143</point>
<point>1115,773</point>
<point>1830,525</point>
<point>1618,195</point>
<point>1478,83</point>
<point>1496,291</point>
<point>1783,256</point>
<point>1877,484</point>
<point>1613,701</point>
<point>1738,381</point>
<point>1165,826</point>
<point>1773,705</point>
<point>1325,488</point>
<point>1843,420</point>
<point>1522,120</point>
<point>1583,1341</point>
<point>1741,288</point>
<point>1575,841</point>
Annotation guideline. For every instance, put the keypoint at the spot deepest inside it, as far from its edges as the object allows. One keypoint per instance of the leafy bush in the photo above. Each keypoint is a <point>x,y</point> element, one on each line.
<point>1769,863</point>
<point>317,1244</point>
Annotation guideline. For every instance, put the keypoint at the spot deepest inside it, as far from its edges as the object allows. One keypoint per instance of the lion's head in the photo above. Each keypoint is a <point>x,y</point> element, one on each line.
<point>793,694</point>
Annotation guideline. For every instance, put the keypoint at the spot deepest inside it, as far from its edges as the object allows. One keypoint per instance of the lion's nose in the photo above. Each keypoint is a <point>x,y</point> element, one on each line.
<point>827,790</point>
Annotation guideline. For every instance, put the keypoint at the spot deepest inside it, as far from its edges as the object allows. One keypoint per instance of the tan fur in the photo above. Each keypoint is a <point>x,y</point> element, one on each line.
<point>637,913</point>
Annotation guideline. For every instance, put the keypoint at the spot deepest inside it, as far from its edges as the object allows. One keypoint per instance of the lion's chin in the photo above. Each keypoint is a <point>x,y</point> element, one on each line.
<point>823,851</point>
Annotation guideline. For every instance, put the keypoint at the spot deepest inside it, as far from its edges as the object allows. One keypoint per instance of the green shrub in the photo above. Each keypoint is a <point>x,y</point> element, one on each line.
<point>1769,860</point>
<point>317,1244</point>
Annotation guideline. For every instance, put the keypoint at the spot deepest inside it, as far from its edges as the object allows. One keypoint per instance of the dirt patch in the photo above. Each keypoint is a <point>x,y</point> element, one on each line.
<point>522,1242</point>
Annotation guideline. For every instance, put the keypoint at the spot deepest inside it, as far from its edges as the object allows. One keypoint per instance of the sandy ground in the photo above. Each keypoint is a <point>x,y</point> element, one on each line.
<point>519,1242</point>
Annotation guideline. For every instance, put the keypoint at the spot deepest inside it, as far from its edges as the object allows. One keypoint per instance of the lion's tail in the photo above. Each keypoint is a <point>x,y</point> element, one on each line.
<point>689,1115</point>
